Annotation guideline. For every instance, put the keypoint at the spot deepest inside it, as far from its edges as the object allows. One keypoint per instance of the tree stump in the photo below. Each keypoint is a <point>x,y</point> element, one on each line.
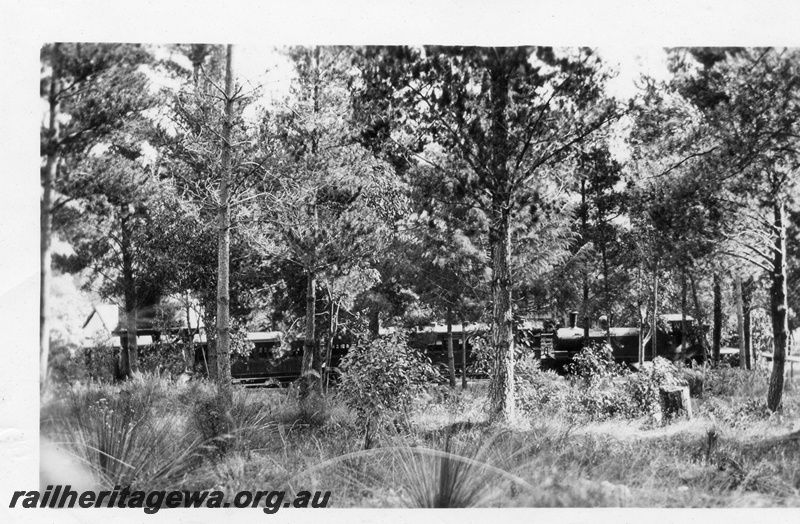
<point>675,401</point>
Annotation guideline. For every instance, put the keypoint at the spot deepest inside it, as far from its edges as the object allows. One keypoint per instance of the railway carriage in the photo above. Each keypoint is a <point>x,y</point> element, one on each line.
<point>276,360</point>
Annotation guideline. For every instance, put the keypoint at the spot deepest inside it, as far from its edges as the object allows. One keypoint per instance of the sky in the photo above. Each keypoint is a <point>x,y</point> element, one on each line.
<point>631,63</point>
<point>263,65</point>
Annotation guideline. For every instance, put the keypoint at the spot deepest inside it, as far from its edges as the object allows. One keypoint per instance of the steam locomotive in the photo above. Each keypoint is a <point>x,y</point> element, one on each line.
<point>555,346</point>
<point>624,341</point>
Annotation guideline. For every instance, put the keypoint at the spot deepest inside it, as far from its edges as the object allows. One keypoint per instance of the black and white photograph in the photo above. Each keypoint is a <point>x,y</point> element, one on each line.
<point>274,277</point>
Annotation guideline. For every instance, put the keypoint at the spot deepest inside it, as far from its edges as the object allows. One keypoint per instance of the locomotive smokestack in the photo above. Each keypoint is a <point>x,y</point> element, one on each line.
<point>573,319</point>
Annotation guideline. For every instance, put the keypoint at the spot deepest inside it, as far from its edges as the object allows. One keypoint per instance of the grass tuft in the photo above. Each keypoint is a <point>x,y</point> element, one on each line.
<point>124,446</point>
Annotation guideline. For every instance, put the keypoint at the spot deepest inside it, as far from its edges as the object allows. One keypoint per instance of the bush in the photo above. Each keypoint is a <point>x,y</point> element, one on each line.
<point>166,357</point>
<point>483,352</point>
<point>535,388</point>
<point>73,364</point>
<point>599,403</point>
<point>380,378</point>
<point>66,365</point>
<point>595,362</point>
<point>597,393</point>
<point>642,388</point>
<point>600,388</point>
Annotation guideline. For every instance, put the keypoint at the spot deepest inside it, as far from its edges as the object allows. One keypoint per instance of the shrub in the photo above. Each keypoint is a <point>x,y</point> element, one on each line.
<point>482,349</point>
<point>483,352</point>
<point>381,377</point>
<point>594,362</point>
<point>66,365</point>
<point>535,388</point>
<point>166,357</point>
<point>598,394</point>
<point>642,388</point>
<point>99,362</point>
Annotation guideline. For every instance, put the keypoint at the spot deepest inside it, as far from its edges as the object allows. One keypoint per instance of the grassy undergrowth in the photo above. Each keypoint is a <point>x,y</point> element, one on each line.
<point>443,451</point>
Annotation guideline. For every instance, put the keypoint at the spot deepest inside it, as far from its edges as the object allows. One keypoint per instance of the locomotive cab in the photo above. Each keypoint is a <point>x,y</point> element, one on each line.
<point>624,341</point>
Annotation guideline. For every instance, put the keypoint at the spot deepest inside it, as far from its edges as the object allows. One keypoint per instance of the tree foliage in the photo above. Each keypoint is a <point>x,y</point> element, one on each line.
<point>96,95</point>
<point>491,123</point>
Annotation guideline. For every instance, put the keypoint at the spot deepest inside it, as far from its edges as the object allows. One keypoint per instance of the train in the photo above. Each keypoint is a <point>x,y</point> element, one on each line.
<point>276,361</point>
<point>566,342</point>
<point>554,346</point>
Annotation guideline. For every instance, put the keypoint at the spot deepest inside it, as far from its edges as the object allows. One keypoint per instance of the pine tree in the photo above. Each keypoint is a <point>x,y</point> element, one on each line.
<point>495,120</point>
<point>91,90</point>
<point>329,207</point>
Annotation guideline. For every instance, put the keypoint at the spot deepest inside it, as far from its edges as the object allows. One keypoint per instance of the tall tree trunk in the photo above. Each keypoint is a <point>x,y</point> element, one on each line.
<point>129,350</point>
<point>698,311</point>
<point>654,338</point>
<point>779,308</point>
<point>640,315</point>
<point>716,339</point>
<point>312,363</point>
<point>585,311</point>
<point>189,361</point>
<point>609,319</point>
<point>318,358</point>
<point>747,299</point>
<point>223,346</point>
<point>210,351</point>
<point>502,384</point>
<point>308,380</point>
<point>740,318</point>
<point>501,390</point>
<point>333,327</point>
<point>584,233</point>
<point>684,341</point>
<point>451,360</point>
<point>46,219</point>
<point>641,321</point>
<point>606,290</point>
<point>463,355</point>
<point>45,272</point>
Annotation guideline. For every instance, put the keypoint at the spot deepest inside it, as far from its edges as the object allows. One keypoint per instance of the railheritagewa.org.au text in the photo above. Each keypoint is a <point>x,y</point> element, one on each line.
<point>152,501</point>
